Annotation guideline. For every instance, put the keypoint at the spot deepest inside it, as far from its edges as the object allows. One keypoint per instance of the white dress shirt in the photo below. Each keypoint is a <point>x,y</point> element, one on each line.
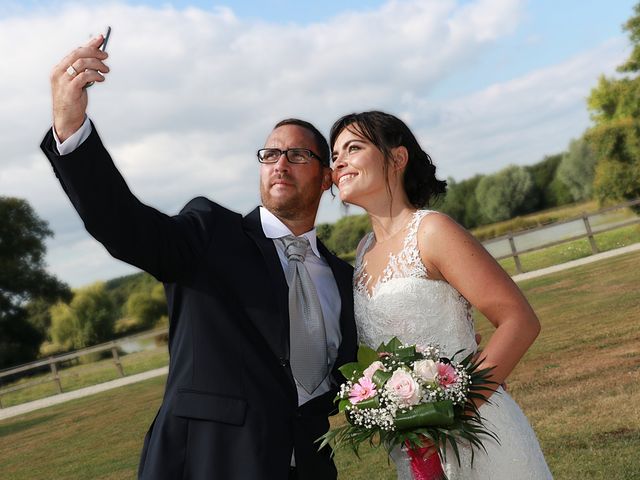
<point>75,140</point>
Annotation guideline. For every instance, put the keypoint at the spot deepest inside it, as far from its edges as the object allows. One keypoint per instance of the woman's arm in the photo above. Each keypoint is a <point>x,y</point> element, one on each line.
<point>452,254</point>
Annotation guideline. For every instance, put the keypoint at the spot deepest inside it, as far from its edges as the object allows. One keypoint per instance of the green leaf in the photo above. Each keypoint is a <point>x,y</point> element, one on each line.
<point>426,414</point>
<point>380,377</point>
<point>351,370</point>
<point>343,404</point>
<point>373,402</point>
<point>406,353</point>
<point>366,356</point>
<point>393,345</point>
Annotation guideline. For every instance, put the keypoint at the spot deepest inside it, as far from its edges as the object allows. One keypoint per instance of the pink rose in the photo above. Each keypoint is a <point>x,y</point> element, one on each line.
<point>427,370</point>
<point>373,368</point>
<point>446,374</point>
<point>362,390</point>
<point>403,388</point>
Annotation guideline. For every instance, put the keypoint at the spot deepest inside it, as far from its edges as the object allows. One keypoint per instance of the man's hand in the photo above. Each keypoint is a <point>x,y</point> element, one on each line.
<point>68,80</point>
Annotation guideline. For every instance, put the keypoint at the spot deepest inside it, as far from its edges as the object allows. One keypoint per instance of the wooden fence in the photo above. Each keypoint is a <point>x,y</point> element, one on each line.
<point>53,362</point>
<point>589,233</point>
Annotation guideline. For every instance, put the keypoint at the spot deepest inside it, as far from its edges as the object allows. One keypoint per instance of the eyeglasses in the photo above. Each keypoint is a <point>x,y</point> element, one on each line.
<point>294,155</point>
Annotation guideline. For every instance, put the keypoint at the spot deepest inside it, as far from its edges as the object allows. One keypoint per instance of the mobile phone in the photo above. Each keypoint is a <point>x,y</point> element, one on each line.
<point>103,47</point>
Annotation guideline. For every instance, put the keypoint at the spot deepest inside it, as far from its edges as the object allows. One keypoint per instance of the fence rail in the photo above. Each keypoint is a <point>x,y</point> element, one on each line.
<point>589,232</point>
<point>54,361</point>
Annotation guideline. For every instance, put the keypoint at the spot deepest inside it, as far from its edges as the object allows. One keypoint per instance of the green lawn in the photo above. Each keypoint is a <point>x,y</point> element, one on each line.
<point>579,385</point>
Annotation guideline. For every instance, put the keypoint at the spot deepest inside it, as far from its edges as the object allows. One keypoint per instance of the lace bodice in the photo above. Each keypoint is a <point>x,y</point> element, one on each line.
<point>404,302</point>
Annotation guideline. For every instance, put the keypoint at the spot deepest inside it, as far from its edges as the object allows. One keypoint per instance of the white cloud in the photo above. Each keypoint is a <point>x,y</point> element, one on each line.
<point>518,121</point>
<point>192,94</point>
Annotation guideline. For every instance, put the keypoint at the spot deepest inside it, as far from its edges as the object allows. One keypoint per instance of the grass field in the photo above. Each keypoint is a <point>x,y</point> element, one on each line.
<point>579,385</point>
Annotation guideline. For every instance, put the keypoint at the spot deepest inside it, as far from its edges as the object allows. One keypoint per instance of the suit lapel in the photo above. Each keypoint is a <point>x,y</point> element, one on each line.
<point>273,326</point>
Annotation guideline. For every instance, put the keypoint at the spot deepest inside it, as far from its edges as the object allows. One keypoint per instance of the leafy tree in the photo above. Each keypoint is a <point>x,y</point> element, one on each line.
<point>121,288</point>
<point>22,279</point>
<point>548,192</point>
<point>504,194</point>
<point>577,169</point>
<point>615,109</point>
<point>324,231</point>
<point>144,308</point>
<point>39,316</point>
<point>618,169</point>
<point>89,318</point>
<point>460,201</point>
<point>347,232</point>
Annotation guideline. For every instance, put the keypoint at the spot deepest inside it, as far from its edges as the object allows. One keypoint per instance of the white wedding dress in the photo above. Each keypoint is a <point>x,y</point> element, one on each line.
<point>405,303</point>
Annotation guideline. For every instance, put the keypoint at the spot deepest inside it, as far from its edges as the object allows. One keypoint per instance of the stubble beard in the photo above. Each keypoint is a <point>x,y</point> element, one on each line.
<point>296,207</point>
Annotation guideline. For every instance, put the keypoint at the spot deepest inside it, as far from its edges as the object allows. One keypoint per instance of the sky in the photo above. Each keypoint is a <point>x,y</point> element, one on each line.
<point>196,86</point>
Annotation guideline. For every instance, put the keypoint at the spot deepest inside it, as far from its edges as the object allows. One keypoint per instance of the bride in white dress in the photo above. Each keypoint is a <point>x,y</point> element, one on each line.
<point>418,274</point>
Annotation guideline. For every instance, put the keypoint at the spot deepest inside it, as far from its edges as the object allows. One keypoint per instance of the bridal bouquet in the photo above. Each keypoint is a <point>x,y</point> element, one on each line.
<point>406,395</point>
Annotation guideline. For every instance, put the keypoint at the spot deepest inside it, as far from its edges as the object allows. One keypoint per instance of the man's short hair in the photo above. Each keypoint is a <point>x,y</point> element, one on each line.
<point>321,142</point>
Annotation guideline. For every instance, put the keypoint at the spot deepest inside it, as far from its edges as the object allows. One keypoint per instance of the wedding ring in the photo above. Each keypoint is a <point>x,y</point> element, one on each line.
<point>72,71</point>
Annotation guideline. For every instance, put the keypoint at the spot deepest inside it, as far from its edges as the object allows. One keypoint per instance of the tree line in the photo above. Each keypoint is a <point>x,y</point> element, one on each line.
<point>40,315</point>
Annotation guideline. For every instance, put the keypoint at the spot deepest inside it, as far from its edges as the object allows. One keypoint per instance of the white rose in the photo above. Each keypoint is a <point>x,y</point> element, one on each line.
<point>403,388</point>
<point>373,368</point>
<point>426,370</point>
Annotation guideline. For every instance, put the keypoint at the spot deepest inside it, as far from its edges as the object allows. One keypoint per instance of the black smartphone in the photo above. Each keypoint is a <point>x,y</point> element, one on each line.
<point>103,47</point>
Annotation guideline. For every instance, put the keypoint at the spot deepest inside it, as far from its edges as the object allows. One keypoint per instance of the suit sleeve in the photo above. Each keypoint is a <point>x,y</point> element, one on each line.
<point>166,247</point>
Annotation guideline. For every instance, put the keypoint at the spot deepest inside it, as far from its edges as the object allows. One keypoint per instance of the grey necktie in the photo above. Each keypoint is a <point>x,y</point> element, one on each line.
<point>307,336</point>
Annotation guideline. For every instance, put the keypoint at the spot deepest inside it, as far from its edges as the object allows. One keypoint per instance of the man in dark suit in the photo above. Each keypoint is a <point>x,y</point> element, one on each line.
<point>232,408</point>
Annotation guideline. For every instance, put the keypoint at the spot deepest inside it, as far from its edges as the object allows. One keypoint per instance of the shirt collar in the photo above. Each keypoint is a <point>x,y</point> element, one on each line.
<point>273,227</point>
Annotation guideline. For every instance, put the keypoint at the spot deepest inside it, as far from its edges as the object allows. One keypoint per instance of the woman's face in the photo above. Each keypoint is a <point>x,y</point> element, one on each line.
<point>358,167</point>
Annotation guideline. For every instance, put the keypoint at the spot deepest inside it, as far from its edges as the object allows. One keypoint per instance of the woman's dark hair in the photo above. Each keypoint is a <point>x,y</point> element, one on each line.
<point>387,132</point>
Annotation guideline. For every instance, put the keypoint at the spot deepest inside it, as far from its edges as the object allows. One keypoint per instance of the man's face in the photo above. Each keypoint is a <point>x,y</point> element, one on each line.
<point>288,190</point>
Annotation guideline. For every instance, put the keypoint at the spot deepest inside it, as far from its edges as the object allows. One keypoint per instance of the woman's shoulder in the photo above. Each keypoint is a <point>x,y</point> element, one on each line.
<point>433,222</point>
<point>439,234</point>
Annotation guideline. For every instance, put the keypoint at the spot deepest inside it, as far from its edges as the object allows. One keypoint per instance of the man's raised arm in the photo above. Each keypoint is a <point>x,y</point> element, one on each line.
<point>167,247</point>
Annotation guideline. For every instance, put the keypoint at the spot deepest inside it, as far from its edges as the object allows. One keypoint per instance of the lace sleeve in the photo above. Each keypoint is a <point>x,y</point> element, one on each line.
<point>363,246</point>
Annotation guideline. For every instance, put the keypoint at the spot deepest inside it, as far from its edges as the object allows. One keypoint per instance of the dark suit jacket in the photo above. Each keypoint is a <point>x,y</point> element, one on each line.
<point>230,405</point>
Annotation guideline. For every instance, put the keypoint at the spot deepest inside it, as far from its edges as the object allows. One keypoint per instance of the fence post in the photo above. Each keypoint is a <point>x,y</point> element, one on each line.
<point>116,360</point>
<point>56,376</point>
<point>514,253</point>
<point>592,241</point>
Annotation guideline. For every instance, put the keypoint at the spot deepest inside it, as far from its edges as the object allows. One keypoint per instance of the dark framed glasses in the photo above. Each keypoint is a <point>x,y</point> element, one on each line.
<point>294,155</point>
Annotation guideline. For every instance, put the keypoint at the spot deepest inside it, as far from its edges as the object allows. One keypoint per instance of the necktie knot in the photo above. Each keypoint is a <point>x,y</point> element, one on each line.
<point>295,248</point>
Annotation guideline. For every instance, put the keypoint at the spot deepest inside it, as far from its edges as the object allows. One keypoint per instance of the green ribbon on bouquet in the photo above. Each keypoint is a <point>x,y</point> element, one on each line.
<point>425,415</point>
<point>373,402</point>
